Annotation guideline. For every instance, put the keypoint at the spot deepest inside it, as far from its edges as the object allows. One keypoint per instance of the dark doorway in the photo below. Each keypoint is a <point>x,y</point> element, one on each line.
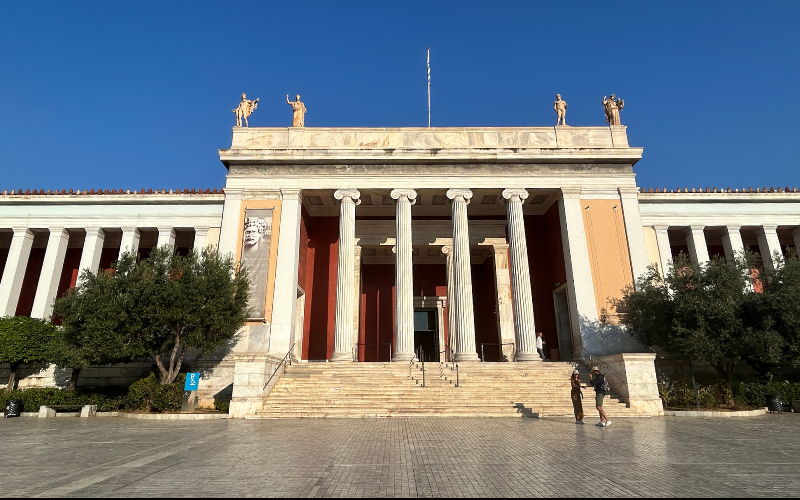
<point>426,335</point>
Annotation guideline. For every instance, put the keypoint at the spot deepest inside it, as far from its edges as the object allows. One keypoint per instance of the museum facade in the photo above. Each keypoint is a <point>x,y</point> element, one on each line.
<point>386,244</point>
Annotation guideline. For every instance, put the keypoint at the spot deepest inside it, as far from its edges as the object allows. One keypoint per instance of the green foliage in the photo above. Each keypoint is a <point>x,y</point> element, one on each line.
<point>781,303</point>
<point>145,395</point>
<point>756,394</point>
<point>713,313</point>
<point>158,307</point>
<point>221,405</point>
<point>677,392</point>
<point>26,340</point>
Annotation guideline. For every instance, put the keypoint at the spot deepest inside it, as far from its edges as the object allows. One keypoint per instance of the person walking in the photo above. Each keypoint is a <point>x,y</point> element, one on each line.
<point>577,395</point>
<point>540,345</point>
<point>600,387</point>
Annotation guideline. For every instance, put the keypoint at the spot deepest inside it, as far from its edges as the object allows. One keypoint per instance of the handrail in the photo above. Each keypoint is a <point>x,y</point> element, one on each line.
<point>593,357</point>
<point>483,357</point>
<point>283,363</point>
<point>355,348</point>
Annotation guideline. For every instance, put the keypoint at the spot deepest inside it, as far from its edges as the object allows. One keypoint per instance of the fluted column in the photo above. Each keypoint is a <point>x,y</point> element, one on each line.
<point>696,241</point>
<point>130,240</point>
<point>200,238</point>
<point>52,267</point>
<point>166,236</point>
<point>404,277</point>
<point>345,275</point>
<point>664,248</point>
<point>732,242</point>
<point>462,277</point>
<point>92,249</point>
<point>14,271</point>
<point>524,325</point>
<point>769,245</point>
<point>451,307</point>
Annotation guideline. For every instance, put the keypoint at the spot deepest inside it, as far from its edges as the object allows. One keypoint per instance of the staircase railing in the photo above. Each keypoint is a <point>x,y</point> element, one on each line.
<point>596,362</point>
<point>500,346</point>
<point>287,360</point>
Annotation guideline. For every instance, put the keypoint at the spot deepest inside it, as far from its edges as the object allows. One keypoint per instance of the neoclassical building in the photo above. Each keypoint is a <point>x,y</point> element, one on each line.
<point>385,244</point>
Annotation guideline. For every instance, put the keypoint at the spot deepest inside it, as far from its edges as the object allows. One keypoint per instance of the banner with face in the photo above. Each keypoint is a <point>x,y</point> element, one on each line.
<point>256,243</point>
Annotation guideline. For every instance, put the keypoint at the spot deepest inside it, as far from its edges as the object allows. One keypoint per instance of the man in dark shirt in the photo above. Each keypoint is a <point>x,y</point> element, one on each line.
<point>598,381</point>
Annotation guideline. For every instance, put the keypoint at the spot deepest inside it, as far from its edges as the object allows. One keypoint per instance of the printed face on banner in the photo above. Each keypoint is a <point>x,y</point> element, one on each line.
<point>256,239</point>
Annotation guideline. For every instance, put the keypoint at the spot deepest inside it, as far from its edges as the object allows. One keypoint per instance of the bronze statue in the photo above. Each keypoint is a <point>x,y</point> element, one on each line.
<point>299,115</point>
<point>613,107</point>
<point>244,110</point>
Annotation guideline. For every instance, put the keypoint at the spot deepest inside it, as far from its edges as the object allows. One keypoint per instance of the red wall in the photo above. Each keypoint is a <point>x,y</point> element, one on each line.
<point>484,299</point>
<point>546,262</point>
<point>30,282</point>
<point>377,312</point>
<point>322,252</point>
<point>3,259</point>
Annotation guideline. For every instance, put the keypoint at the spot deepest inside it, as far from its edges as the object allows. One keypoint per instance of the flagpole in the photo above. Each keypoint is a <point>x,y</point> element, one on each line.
<point>429,86</point>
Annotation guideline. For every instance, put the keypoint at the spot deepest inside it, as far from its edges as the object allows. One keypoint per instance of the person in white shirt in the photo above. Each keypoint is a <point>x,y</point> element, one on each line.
<point>540,344</point>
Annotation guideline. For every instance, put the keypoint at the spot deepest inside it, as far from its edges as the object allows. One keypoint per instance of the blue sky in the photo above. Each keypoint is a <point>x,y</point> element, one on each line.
<point>139,94</point>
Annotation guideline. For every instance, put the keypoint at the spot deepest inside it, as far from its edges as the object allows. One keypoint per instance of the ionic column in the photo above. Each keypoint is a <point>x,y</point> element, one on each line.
<point>200,238</point>
<point>404,277</point>
<point>664,249</point>
<point>92,249</point>
<point>345,275</point>
<point>451,308</point>
<point>51,273</point>
<point>524,325</point>
<point>166,236</point>
<point>462,277</point>
<point>130,240</point>
<point>769,245</point>
<point>14,271</point>
<point>696,240</point>
<point>732,242</point>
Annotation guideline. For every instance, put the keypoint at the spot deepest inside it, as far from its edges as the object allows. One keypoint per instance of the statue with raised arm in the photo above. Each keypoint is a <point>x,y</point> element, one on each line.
<point>561,111</point>
<point>299,115</point>
<point>613,107</point>
<point>244,110</point>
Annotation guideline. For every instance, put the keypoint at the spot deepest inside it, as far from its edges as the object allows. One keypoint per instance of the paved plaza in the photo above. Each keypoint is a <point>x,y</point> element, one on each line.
<point>472,457</point>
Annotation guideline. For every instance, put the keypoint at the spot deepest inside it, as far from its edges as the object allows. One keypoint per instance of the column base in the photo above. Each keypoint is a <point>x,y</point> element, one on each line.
<point>403,356</point>
<point>527,357</point>
<point>466,357</point>
<point>341,357</point>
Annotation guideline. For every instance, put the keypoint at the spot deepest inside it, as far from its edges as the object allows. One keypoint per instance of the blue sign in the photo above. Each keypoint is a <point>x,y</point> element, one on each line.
<point>192,381</point>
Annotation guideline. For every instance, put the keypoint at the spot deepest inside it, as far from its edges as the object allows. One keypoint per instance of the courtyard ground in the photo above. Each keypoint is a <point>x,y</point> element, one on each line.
<point>523,457</point>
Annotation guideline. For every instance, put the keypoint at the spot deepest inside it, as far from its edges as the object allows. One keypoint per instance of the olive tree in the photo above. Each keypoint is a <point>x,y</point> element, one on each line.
<point>25,340</point>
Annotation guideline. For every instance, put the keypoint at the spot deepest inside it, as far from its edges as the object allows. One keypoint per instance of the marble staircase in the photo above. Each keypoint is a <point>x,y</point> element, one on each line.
<point>354,390</point>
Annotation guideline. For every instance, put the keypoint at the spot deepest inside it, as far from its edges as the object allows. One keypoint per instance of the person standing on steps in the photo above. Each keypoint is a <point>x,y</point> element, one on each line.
<point>577,395</point>
<point>540,345</point>
<point>600,387</point>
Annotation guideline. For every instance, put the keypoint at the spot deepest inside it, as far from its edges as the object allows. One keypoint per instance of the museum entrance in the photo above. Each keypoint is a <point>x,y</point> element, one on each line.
<point>426,334</point>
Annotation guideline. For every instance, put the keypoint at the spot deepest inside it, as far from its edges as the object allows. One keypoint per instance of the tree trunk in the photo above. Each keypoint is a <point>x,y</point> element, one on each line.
<point>728,383</point>
<point>170,372</point>
<point>73,379</point>
<point>12,376</point>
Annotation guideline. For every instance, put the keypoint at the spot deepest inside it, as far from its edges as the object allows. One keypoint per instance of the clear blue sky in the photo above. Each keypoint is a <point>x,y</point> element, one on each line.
<point>139,94</point>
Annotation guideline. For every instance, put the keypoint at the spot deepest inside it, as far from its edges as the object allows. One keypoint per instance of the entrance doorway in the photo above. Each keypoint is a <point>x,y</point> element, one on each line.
<point>562,323</point>
<point>426,334</point>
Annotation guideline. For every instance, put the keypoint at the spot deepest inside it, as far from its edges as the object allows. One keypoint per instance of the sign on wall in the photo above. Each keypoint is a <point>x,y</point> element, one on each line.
<point>256,239</point>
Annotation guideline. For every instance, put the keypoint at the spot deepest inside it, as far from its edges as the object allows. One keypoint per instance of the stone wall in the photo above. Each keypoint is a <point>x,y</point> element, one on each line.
<point>633,377</point>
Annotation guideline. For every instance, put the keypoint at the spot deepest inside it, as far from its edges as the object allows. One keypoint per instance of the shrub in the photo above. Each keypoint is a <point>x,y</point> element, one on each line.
<point>221,405</point>
<point>147,394</point>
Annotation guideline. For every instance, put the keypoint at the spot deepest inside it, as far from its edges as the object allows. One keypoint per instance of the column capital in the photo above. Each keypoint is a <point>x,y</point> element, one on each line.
<point>291,194</point>
<point>348,195</point>
<point>628,192</point>
<point>695,228</point>
<point>660,228</point>
<point>129,229</point>
<point>408,194</point>
<point>456,193</point>
<point>25,232</point>
<point>500,248</point>
<point>768,228</point>
<point>733,229</point>
<point>166,230</point>
<point>447,250</point>
<point>234,193</point>
<point>515,194</point>
<point>94,231</point>
<point>201,229</point>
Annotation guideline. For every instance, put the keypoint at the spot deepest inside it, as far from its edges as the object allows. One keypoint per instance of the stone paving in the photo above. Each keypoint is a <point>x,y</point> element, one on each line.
<point>472,457</point>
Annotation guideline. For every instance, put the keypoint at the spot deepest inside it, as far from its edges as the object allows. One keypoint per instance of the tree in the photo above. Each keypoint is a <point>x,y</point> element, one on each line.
<point>25,340</point>
<point>781,303</point>
<point>158,307</point>
<point>704,312</point>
